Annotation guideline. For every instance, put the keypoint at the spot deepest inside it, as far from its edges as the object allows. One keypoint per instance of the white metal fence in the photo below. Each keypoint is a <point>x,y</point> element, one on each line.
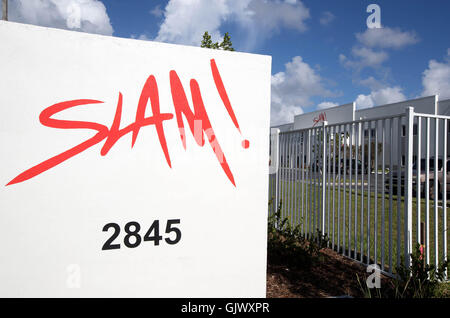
<point>373,186</point>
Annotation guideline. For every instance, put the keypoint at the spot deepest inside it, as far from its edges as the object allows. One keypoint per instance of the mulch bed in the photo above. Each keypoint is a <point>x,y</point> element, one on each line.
<point>333,276</point>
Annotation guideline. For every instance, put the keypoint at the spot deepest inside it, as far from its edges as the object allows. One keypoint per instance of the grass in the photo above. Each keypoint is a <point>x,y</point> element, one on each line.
<point>291,198</point>
<point>444,290</point>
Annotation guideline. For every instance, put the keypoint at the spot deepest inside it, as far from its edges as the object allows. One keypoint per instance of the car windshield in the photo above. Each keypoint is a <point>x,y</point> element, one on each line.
<point>423,163</point>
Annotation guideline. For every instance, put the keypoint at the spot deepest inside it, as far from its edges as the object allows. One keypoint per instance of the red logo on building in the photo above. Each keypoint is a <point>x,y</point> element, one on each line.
<point>321,118</point>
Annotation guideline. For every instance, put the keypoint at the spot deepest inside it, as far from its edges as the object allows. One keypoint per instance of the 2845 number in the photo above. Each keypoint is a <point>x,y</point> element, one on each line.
<point>133,239</point>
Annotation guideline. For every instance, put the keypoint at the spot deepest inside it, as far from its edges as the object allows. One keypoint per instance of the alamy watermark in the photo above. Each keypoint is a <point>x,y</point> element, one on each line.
<point>374,19</point>
<point>73,276</point>
<point>374,279</point>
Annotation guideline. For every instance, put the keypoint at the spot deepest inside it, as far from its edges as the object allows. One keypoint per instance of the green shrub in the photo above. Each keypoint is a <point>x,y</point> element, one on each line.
<point>286,244</point>
<point>417,281</point>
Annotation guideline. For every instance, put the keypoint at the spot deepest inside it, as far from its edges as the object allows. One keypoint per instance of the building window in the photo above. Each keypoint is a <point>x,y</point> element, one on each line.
<point>415,130</point>
<point>372,132</point>
<point>403,161</point>
<point>403,130</point>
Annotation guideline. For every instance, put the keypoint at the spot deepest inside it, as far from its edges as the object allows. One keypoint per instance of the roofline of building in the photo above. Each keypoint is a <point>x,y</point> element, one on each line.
<point>436,100</point>
<point>326,109</point>
<point>392,104</point>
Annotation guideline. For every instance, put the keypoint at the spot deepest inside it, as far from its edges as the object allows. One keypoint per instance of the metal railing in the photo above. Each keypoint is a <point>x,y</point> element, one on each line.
<point>372,186</point>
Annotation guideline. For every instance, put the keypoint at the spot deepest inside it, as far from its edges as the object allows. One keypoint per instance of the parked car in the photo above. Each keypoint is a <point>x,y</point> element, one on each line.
<point>446,180</point>
<point>336,166</point>
<point>355,163</point>
<point>422,178</point>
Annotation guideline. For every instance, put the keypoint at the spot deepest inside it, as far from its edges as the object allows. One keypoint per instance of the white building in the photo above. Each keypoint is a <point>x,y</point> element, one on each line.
<point>378,117</point>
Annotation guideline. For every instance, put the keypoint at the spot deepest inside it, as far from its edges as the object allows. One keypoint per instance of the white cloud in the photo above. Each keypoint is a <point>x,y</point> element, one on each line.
<point>142,36</point>
<point>365,57</point>
<point>80,15</point>
<point>258,18</point>
<point>372,83</point>
<point>284,115</point>
<point>186,21</point>
<point>386,38</point>
<point>326,18</point>
<point>293,89</point>
<point>364,101</point>
<point>325,105</point>
<point>372,45</point>
<point>436,78</point>
<point>270,16</point>
<point>157,11</point>
<point>382,96</point>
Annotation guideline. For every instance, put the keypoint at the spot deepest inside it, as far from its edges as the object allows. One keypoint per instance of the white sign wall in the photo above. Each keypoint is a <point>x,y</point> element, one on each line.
<point>131,168</point>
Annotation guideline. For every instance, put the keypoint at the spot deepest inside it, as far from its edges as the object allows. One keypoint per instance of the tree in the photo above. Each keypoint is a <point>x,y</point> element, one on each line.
<point>226,44</point>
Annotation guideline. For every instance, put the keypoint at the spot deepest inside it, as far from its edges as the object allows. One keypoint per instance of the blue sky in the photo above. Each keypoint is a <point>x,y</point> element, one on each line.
<point>323,53</point>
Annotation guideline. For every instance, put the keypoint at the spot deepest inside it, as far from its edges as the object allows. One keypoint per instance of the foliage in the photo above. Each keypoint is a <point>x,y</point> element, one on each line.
<point>417,281</point>
<point>226,44</point>
<point>420,280</point>
<point>368,291</point>
<point>288,246</point>
<point>208,43</point>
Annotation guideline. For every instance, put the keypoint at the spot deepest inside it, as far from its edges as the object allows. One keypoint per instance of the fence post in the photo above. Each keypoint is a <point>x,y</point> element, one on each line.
<point>408,184</point>
<point>274,162</point>
<point>5,10</point>
<point>324,167</point>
